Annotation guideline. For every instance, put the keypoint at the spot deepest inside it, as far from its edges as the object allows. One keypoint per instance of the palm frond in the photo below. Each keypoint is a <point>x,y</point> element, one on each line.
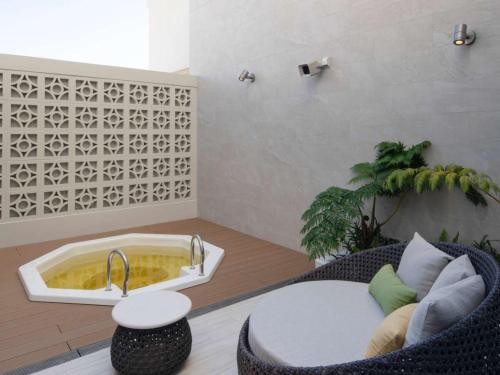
<point>395,155</point>
<point>422,180</point>
<point>390,156</point>
<point>474,185</point>
<point>436,180</point>
<point>451,180</point>
<point>363,172</point>
<point>464,183</point>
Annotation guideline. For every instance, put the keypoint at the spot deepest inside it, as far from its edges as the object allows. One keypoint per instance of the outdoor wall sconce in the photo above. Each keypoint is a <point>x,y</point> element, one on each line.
<point>461,37</point>
<point>245,74</point>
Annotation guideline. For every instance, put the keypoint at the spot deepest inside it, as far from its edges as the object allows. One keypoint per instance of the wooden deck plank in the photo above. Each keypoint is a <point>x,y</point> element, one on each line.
<point>24,344</point>
<point>59,318</point>
<point>41,330</point>
<point>33,357</point>
<point>84,318</point>
<point>91,338</point>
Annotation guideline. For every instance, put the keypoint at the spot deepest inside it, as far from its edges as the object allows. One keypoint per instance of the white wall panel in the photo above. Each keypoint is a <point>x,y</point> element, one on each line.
<point>74,144</point>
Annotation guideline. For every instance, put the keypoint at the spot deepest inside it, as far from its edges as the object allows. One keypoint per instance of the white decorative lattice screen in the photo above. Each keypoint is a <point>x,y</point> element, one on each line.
<point>73,144</point>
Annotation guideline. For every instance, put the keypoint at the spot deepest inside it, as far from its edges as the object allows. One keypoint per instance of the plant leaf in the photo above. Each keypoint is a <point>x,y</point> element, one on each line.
<point>451,180</point>
<point>443,236</point>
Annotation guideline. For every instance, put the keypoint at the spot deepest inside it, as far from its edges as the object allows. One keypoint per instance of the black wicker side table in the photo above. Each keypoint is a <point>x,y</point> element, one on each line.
<point>153,334</point>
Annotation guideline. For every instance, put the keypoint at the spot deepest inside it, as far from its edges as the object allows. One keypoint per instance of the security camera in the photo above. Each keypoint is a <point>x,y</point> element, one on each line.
<point>314,67</point>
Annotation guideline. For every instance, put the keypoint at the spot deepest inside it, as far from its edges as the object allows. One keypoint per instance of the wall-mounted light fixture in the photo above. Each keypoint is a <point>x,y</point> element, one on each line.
<point>245,74</point>
<point>461,37</point>
<point>314,67</point>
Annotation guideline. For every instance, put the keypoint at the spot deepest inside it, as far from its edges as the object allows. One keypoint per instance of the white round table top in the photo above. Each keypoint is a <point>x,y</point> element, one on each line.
<point>151,310</point>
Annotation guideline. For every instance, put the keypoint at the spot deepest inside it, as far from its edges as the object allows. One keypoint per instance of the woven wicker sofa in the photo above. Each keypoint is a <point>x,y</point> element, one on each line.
<point>471,346</point>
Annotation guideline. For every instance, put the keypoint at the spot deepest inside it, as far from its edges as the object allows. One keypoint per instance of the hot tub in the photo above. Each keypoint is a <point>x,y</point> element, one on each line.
<point>76,272</point>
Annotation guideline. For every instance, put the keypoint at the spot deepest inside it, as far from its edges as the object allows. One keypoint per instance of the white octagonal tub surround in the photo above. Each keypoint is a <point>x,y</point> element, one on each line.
<point>37,290</point>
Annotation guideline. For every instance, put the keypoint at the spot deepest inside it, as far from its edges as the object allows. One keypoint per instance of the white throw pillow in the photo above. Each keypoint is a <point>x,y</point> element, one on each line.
<point>444,307</point>
<point>458,269</point>
<point>421,265</point>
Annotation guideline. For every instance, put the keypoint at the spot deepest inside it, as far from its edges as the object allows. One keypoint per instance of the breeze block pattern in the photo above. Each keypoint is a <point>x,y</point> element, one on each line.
<point>73,144</point>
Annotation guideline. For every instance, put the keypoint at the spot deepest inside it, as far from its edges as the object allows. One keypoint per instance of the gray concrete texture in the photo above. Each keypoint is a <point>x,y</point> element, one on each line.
<point>267,148</point>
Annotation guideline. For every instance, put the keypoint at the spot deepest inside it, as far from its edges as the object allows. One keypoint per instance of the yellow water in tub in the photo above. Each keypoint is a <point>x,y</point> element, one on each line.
<point>148,265</point>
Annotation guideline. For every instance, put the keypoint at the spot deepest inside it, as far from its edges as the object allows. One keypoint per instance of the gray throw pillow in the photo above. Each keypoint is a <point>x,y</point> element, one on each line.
<point>444,307</point>
<point>458,269</point>
<point>421,265</point>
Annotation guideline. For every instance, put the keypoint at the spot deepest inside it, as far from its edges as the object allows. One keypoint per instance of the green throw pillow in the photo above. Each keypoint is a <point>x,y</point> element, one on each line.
<point>389,291</point>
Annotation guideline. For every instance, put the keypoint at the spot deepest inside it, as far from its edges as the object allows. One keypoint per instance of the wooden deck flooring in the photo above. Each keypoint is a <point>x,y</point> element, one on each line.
<point>34,331</point>
<point>215,339</point>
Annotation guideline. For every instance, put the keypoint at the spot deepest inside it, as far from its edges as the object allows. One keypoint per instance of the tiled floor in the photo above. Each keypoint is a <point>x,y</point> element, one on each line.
<point>34,331</point>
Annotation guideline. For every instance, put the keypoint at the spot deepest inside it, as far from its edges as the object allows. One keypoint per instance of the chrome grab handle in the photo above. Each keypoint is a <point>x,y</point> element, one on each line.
<point>108,271</point>
<point>197,237</point>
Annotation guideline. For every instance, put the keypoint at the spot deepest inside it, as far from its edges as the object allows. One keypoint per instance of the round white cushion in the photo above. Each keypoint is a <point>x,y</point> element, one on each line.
<point>315,323</point>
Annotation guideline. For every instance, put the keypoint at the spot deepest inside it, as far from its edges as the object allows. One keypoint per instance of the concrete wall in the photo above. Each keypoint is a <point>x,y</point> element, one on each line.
<point>266,149</point>
<point>168,35</point>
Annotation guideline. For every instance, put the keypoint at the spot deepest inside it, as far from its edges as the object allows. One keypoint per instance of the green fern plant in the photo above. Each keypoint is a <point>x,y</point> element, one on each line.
<point>444,237</point>
<point>486,245</point>
<point>336,217</point>
<point>328,219</point>
<point>476,186</point>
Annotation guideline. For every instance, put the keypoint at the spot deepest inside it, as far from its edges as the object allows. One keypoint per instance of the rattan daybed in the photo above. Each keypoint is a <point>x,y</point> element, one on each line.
<point>471,346</point>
